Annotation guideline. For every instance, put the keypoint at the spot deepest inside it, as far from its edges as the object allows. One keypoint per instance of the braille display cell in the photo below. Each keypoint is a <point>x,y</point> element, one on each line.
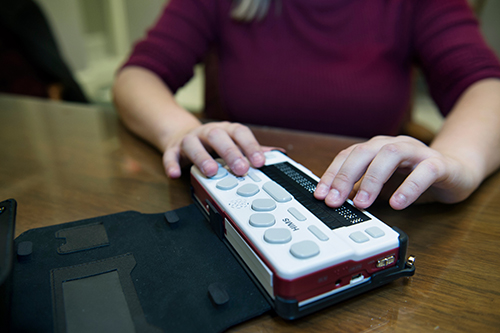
<point>302,187</point>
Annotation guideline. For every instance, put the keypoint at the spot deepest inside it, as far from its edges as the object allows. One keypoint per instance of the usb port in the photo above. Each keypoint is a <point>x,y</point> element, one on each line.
<point>357,277</point>
<point>385,262</point>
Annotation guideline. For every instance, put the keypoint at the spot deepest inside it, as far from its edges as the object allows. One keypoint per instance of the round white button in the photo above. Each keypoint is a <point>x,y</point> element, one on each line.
<point>226,184</point>
<point>248,190</point>
<point>277,236</point>
<point>263,205</point>
<point>262,220</point>
<point>304,249</point>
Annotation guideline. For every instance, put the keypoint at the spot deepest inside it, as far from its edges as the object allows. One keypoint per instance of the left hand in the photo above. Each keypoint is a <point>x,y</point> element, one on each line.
<point>373,163</point>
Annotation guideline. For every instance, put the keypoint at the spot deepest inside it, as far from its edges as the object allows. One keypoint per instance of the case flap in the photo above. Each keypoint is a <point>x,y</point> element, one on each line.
<point>130,272</point>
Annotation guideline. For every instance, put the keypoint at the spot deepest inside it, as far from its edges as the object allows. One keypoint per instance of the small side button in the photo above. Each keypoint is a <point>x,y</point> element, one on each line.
<point>359,237</point>
<point>318,233</point>
<point>295,213</point>
<point>375,232</point>
<point>253,176</point>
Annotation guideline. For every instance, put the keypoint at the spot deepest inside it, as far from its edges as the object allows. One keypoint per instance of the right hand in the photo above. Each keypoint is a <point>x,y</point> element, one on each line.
<point>231,141</point>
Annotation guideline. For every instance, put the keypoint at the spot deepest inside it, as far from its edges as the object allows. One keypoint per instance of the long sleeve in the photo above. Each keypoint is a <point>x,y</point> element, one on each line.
<point>450,49</point>
<point>178,40</point>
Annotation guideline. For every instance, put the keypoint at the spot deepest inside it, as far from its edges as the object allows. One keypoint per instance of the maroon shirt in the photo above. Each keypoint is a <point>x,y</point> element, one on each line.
<point>336,66</point>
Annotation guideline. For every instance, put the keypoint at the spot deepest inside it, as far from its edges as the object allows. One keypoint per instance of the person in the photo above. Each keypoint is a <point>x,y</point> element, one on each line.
<point>342,67</point>
<point>32,63</point>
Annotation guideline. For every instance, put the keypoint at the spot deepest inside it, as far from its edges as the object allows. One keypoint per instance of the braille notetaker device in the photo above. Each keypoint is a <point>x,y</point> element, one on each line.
<point>301,253</point>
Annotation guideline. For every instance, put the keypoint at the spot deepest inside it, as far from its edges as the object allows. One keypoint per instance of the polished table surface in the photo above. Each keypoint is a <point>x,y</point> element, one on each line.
<point>64,162</point>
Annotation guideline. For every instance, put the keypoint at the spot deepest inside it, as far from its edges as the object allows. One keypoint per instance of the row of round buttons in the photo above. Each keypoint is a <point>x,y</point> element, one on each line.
<point>300,250</point>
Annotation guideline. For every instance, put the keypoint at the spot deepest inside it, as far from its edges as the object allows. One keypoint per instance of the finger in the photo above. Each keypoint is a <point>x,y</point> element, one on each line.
<point>383,166</point>
<point>224,145</point>
<point>245,139</point>
<point>327,178</point>
<point>425,174</point>
<point>271,148</point>
<point>196,152</point>
<point>349,173</point>
<point>171,163</point>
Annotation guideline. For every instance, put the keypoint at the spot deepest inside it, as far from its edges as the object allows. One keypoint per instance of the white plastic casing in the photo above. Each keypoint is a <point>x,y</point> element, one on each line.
<point>276,260</point>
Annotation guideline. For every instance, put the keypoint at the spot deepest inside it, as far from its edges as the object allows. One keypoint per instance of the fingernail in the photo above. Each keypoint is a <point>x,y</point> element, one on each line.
<point>322,190</point>
<point>401,199</point>
<point>204,167</point>
<point>333,195</point>
<point>239,166</point>
<point>362,196</point>
<point>258,159</point>
<point>173,172</point>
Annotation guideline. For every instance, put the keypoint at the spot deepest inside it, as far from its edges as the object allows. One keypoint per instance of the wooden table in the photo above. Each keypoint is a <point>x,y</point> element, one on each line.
<point>65,162</point>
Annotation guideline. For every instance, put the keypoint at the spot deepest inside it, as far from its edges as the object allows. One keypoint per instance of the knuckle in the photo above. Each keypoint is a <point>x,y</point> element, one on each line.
<point>214,133</point>
<point>406,138</point>
<point>251,149</point>
<point>379,138</point>
<point>237,129</point>
<point>391,148</point>
<point>228,152</point>
<point>434,166</point>
<point>345,152</point>
<point>328,176</point>
<point>342,177</point>
<point>370,178</point>
<point>413,186</point>
<point>218,124</point>
<point>361,149</point>
<point>410,140</point>
<point>172,152</point>
<point>186,139</point>
<point>198,157</point>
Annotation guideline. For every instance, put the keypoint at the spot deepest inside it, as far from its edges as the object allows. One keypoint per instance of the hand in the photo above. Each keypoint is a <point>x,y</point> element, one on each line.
<point>373,163</point>
<point>231,141</point>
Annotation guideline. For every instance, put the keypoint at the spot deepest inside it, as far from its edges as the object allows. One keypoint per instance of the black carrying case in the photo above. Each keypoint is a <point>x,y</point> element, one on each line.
<point>127,272</point>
